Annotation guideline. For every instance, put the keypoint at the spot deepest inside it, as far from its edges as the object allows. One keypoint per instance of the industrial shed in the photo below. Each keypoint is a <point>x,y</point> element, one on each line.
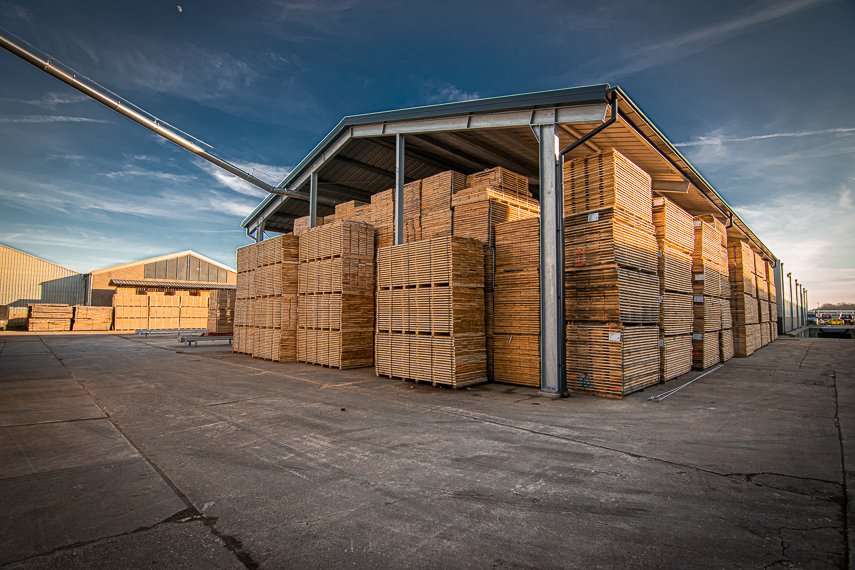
<point>26,279</point>
<point>533,135</point>
<point>184,270</point>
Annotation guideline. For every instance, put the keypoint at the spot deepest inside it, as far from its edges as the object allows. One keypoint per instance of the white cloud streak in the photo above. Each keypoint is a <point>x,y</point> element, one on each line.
<point>448,93</point>
<point>677,47</point>
<point>717,140</point>
<point>48,119</point>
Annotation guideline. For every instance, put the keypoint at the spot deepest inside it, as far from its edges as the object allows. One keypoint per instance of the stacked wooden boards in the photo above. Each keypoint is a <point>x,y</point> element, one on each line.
<point>265,321</point>
<point>221,310</point>
<point>767,300</point>
<point>611,276</point>
<point>335,302</point>
<point>92,318</point>
<point>430,312</point>
<point>130,312</point>
<point>676,240</point>
<point>516,303</point>
<point>744,303</point>
<point>711,294</point>
<point>44,317</point>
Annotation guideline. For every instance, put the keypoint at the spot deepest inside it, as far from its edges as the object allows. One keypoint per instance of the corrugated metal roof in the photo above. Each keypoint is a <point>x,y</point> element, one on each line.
<point>25,278</point>
<point>166,284</point>
<point>165,256</point>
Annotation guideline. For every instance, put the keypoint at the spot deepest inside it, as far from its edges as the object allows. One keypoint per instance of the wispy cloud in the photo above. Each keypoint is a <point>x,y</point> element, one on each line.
<point>49,119</point>
<point>434,92</point>
<point>12,11</point>
<point>152,174</point>
<point>51,100</point>
<point>695,41</point>
<point>266,172</point>
<point>718,139</point>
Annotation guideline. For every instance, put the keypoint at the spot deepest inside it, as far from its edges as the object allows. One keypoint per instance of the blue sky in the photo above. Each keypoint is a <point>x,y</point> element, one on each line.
<point>757,94</point>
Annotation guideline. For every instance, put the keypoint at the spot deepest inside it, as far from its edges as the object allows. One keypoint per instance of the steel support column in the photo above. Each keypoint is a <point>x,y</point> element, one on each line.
<point>553,374</point>
<point>790,306</point>
<point>313,199</point>
<point>399,188</point>
<point>259,232</point>
<point>798,308</point>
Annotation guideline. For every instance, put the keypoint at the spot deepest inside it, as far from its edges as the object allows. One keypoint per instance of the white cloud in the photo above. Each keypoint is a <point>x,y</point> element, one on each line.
<point>447,93</point>
<point>638,58</point>
<point>268,173</point>
<point>12,11</point>
<point>153,174</point>
<point>718,140</point>
<point>47,119</point>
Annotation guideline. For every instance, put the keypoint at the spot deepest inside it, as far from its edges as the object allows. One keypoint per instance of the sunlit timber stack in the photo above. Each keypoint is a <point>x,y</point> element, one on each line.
<point>385,160</point>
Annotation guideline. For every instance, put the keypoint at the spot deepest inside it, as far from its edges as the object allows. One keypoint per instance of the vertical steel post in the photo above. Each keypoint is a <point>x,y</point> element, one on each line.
<point>798,309</point>
<point>790,279</point>
<point>553,375</point>
<point>805,304</point>
<point>313,199</point>
<point>779,298</point>
<point>259,232</point>
<point>399,188</point>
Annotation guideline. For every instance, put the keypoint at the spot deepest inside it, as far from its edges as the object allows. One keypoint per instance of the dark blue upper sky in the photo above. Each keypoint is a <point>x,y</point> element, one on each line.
<point>757,94</point>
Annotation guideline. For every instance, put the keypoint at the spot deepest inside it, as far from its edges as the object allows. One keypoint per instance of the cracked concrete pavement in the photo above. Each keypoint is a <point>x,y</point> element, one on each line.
<point>118,452</point>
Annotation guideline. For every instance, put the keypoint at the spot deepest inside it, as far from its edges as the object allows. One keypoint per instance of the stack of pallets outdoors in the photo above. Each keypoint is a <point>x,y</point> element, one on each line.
<point>92,318</point>
<point>266,299</point>
<point>221,311</point>
<point>246,263</point>
<point>676,239</point>
<point>130,312</point>
<point>773,303</point>
<point>611,276</point>
<point>193,311</point>
<point>516,298</point>
<point>744,305</point>
<point>430,312</point>
<point>711,311</point>
<point>45,317</point>
<point>763,272</point>
<point>335,304</point>
<point>164,311</point>
<point>13,318</point>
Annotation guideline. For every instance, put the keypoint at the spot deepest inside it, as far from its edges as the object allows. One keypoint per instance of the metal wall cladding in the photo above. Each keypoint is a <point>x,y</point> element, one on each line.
<point>25,278</point>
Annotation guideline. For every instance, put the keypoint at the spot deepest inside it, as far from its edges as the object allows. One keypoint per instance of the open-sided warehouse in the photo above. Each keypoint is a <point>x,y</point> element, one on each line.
<point>591,161</point>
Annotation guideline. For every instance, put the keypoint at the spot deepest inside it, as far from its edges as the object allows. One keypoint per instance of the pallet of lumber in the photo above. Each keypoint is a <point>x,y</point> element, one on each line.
<point>741,268</point>
<point>706,279</point>
<point>765,334</point>
<point>87,318</point>
<point>707,314</point>
<point>705,350</point>
<point>746,339</point>
<point>707,244</point>
<point>609,237</point>
<point>335,303</point>
<point>430,323</point>
<point>516,358</point>
<point>611,360</point>
<point>674,226</point>
<point>437,191</point>
<point>726,313</point>
<point>726,346</point>
<point>130,312</point>
<point>44,317</point>
<point>612,295</point>
<point>745,310</point>
<point>607,179</point>
<point>676,314</point>
<point>221,309</point>
<point>676,356</point>
<point>675,270</point>
<point>765,311</point>
<point>501,179</point>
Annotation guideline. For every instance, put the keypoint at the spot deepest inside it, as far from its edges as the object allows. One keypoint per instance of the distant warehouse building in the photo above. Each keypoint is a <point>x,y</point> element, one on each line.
<point>185,270</point>
<point>26,279</point>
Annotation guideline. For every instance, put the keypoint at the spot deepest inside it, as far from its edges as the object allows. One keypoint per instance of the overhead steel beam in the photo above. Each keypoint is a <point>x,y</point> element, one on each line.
<point>400,167</point>
<point>498,156</point>
<point>453,153</point>
<point>368,167</point>
<point>416,153</point>
<point>553,375</point>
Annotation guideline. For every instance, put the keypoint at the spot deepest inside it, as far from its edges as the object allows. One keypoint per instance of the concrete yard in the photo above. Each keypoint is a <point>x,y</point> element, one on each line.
<point>125,452</point>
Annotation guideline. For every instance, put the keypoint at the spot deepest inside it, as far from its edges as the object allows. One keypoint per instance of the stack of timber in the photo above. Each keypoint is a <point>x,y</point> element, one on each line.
<point>676,240</point>
<point>745,308</point>
<point>46,317</point>
<point>766,298</point>
<point>430,312</point>
<point>335,302</point>
<point>164,311</point>
<point>711,298</point>
<point>265,321</point>
<point>436,215</point>
<point>92,318</point>
<point>221,311</point>
<point>611,276</point>
<point>516,311</point>
<point>13,318</point>
<point>193,311</point>
<point>130,312</point>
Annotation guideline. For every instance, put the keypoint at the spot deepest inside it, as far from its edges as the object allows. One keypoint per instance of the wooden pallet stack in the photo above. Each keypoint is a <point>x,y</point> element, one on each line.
<point>436,214</point>
<point>745,309</point>
<point>710,311</point>
<point>44,317</point>
<point>193,311</point>
<point>676,240</point>
<point>130,312</point>
<point>766,298</point>
<point>430,312</point>
<point>516,311</point>
<point>221,311</point>
<point>335,302</point>
<point>92,318</point>
<point>611,276</point>
<point>773,304</point>
<point>723,296</point>
<point>265,324</point>
<point>164,311</point>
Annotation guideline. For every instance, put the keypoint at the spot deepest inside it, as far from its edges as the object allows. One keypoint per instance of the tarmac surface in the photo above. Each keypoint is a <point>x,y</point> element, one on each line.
<point>123,452</point>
